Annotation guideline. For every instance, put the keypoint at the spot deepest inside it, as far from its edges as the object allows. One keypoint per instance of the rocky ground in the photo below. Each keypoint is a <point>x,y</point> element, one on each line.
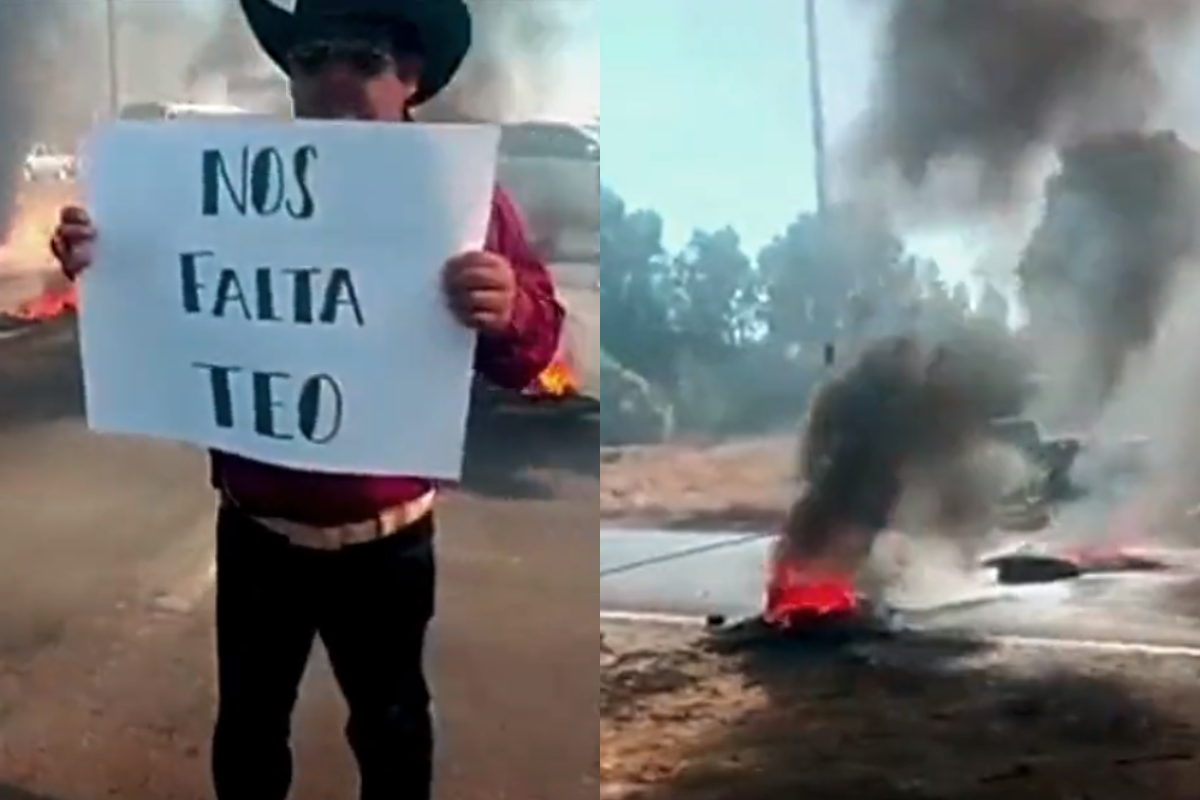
<point>930,721</point>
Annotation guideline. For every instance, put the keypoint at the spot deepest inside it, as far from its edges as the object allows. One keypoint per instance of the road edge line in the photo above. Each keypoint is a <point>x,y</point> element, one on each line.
<point>1029,642</point>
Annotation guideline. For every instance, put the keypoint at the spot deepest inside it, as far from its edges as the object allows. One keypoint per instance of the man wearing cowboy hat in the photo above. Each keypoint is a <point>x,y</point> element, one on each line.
<point>350,558</point>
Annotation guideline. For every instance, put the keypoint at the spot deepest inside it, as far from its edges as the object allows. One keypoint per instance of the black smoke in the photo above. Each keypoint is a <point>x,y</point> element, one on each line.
<point>994,81</point>
<point>54,71</point>
<point>902,413</point>
<point>1121,227</point>
<point>1003,85</point>
<point>509,73</point>
<point>998,83</point>
<point>230,51</point>
<point>27,29</point>
<point>512,67</point>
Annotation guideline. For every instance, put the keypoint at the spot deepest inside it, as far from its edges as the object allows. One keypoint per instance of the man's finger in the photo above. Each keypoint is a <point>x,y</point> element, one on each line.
<point>76,233</point>
<point>477,318</point>
<point>470,259</point>
<point>476,278</point>
<point>484,322</point>
<point>73,215</point>
<point>81,254</point>
<point>489,301</point>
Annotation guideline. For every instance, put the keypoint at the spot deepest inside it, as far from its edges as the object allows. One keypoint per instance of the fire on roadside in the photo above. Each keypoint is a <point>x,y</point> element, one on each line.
<point>52,303</point>
<point>26,245</point>
<point>800,592</point>
<point>557,380</point>
<point>25,250</point>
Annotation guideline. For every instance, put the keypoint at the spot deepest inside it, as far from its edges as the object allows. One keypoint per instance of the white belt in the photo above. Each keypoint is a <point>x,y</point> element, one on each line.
<point>386,523</point>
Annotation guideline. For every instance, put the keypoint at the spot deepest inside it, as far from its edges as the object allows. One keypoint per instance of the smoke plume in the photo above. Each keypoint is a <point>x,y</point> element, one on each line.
<point>511,70</point>
<point>508,75</point>
<point>23,24</point>
<point>903,419</point>
<point>1121,226</point>
<point>230,51</point>
<point>994,82</point>
<point>54,68</point>
<point>1108,278</point>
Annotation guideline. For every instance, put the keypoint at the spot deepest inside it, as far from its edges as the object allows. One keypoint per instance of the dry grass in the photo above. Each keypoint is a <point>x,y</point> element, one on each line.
<point>927,722</point>
<point>743,484</point>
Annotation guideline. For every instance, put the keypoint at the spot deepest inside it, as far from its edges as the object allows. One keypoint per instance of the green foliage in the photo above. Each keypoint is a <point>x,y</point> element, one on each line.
<point>632,411</point>
<point>734,343</point>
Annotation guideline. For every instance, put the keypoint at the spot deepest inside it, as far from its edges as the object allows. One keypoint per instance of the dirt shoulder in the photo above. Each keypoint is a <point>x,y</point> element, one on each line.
<point>934,722</point>
<point>731,486</point>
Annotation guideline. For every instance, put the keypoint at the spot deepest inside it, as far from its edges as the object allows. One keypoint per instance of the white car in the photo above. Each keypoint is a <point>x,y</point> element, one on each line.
<point>552,170</point>
<point>44,164</point>
<point>578,286</point>
<point>156,111</point>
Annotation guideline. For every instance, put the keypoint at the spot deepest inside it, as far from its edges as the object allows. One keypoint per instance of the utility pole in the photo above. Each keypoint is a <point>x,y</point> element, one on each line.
<point>816,114</point>
<point>816,101</point>
<point>114,59</point>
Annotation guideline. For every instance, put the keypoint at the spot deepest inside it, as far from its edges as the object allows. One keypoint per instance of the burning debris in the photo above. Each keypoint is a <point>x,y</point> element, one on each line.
<point>996,87</point>
<point>903,416</point>
<point>557,381</point>
<point>52,303</point>
<point>1025,567</point>
<point>904,412</point>
<point>798,594</point>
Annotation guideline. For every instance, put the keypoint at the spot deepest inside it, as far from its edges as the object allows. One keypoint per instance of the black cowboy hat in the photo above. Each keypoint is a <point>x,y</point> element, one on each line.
<point>443,28</point>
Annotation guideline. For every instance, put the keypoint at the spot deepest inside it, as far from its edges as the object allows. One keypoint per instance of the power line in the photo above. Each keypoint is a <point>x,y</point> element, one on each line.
<point>724,544</point>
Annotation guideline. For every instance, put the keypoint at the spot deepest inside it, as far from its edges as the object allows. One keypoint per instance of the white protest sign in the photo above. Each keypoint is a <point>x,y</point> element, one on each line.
<point>273,289</point>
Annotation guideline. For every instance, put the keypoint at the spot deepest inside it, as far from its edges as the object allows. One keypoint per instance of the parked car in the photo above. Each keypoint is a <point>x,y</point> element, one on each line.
<point>43,163</point>
<point>552,170</point>
<point>571,385</point>
<point>154,110</point>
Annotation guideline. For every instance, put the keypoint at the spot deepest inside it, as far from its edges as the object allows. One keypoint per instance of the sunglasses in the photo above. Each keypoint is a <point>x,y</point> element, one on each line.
<point>366,57</point>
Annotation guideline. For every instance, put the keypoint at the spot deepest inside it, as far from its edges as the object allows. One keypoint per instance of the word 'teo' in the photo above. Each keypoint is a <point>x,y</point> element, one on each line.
<point>314,412</point>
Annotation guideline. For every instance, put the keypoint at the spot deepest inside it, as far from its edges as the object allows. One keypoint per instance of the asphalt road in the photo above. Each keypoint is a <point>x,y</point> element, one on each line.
<point>690,575</point>
<point>105,610</point>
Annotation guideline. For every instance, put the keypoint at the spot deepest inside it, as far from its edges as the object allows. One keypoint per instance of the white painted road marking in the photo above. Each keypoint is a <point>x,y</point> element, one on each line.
<point>1035,642</point>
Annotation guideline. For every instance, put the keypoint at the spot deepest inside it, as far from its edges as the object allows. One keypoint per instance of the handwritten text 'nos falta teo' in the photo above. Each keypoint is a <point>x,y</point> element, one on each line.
<point>267,183</point>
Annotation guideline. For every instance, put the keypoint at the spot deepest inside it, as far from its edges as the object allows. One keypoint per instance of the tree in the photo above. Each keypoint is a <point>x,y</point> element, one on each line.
<point>728,344</point>
<point>635,291</point>
<point>716,299</point>
<point>835,277</point>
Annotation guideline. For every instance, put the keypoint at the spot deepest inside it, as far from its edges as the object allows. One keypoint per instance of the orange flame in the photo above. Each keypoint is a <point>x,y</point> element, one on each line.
<point>27,244</point>
<point>557,380</point>
<point>799,592</point>
<point>25,250</point>
<point>50,304</point>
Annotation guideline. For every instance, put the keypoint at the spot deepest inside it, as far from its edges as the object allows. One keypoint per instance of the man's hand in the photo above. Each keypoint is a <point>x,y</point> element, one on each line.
<point>72,241</point>
<point>481,290</point>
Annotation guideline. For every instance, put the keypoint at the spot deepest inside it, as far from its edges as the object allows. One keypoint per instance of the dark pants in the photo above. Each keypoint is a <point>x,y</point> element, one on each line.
<point>371,605</point>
